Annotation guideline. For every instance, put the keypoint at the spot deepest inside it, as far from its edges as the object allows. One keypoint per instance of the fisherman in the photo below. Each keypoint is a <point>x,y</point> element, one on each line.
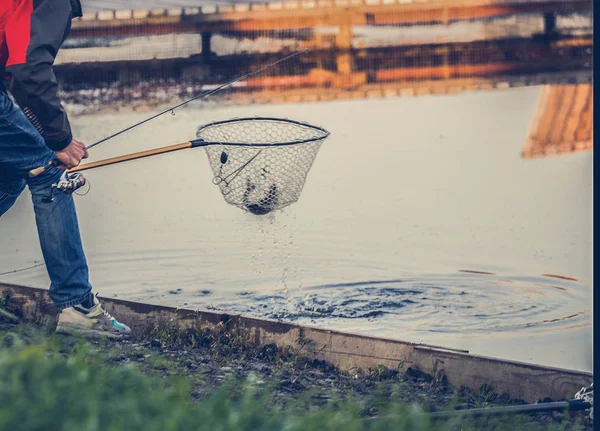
<point>33,132</point>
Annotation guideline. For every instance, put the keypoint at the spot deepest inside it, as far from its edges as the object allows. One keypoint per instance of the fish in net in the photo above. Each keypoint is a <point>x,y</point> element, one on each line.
<point>261,164</point>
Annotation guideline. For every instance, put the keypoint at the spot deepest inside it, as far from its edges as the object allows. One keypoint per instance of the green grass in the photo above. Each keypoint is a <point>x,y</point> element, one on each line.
<point>46,384</point>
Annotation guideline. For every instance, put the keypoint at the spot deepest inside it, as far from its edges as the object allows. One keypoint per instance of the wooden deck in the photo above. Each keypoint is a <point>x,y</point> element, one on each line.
<point>336,69</point>
<point>286,15</point>
<point>528,382</point>
<point>563,122</point>
<point>323,68</point>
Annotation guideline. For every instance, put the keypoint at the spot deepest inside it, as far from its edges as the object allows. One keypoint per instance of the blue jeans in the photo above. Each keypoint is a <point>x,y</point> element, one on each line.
<point>22,148</point>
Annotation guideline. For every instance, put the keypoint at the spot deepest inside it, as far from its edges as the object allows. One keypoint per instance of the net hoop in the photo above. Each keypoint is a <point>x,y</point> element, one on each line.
<point>323,134</point>
<point>260,164</point>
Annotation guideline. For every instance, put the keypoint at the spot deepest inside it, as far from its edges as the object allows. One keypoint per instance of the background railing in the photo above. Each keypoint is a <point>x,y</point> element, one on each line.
<point>358,48</point>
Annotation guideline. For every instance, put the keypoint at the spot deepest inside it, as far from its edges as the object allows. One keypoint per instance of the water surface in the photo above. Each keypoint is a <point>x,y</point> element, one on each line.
<point>419,221</point>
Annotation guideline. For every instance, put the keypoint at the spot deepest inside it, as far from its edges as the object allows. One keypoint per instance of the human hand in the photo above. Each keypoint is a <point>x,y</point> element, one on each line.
<point>72,155</point>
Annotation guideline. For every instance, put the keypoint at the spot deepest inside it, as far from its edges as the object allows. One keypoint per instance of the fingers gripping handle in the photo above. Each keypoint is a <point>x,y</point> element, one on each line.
<point>38,171</point>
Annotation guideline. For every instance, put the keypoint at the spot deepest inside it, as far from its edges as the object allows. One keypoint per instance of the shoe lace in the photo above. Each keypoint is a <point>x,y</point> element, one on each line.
<point>104,312</point>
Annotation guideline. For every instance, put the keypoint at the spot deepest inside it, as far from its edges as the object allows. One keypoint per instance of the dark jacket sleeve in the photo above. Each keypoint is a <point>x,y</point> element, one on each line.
<point>34,35</point>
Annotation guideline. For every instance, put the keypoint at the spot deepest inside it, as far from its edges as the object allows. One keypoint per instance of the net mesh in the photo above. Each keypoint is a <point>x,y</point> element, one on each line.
<point>261,164</point>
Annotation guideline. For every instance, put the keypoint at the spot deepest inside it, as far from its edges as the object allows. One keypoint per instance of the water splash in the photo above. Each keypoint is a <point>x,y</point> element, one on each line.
<point>459,304</point>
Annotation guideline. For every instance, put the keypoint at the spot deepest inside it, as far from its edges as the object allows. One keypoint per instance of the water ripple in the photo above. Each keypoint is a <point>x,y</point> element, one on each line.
<point>482,303</point>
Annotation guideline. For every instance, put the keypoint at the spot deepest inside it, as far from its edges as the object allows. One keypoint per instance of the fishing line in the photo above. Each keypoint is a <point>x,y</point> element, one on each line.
<point>37,171</point>
<point>22,269</point>
<point>199,97</point>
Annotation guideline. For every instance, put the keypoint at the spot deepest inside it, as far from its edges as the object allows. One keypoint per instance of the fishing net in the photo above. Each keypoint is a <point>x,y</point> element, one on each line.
<point>261,164</point>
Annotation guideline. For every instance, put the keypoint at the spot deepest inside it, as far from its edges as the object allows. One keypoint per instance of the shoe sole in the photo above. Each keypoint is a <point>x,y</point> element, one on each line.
<point>92,333</point>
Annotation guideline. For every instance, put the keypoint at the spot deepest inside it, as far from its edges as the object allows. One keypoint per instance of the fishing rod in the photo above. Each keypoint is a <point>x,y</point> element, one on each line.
<point>260,134</point>
<point>74,180</point>
<point>148,153</point>
<point>318,134</point>
<point>37,171</point>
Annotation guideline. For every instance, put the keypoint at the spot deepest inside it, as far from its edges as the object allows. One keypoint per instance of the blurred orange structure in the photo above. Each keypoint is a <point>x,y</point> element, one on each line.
<point>563,122</point>
<point>302,14</point>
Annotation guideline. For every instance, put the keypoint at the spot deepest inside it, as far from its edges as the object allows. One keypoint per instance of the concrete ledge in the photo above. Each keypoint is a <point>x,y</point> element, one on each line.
<point>528,382</point>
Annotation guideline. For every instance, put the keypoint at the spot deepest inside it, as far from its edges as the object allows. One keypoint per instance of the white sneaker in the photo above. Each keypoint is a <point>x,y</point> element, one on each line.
<point>94,321</point>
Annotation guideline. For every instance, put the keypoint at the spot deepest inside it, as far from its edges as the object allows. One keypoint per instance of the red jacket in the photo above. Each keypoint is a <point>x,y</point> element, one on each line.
<point>31,33</point>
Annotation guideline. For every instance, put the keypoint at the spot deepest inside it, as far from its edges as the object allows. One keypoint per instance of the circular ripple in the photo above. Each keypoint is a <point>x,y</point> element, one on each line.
<point>450,304</point>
